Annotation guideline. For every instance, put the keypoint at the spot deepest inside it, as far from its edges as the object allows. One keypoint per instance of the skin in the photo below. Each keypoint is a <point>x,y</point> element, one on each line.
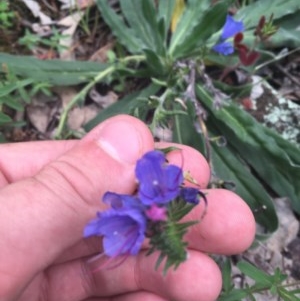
<point>50,190</point>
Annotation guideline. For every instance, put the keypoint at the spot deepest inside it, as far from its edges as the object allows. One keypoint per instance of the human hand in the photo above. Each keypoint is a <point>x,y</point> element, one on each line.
<point>50,190</point>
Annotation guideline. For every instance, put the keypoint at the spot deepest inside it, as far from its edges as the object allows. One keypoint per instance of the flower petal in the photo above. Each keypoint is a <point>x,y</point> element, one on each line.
<point>123,230</point>
<point>190,195</point>
<point>158,182</point>
<point>231,28</point>
<point>224,48</point>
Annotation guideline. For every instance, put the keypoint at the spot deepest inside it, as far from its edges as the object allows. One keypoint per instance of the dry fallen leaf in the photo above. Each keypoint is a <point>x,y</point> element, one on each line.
<point>41,111</point>
<point>71,22</point>
<point>70,4</point>
<point>101,54</point>
<point>80,116</point>
<point>35,8</point>
<point>66,94</point>
<point>103,100</point>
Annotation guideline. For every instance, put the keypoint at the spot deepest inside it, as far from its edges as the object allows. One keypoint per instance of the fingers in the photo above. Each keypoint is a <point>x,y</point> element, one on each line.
<point>43,215</point>
<point>228,226</point>
<point>25,159</point>
<point>21,160</point>
<point>196,279</point>
<point>138,296</point>
<point>190,160</point>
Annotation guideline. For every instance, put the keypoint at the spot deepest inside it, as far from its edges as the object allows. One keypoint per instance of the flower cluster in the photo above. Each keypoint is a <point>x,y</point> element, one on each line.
<point>154,211</point>
<point>230,29</point>
<point>234,29</point>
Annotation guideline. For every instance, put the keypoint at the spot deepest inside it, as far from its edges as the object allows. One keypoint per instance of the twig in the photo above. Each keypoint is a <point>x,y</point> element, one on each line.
<point>286,73</point>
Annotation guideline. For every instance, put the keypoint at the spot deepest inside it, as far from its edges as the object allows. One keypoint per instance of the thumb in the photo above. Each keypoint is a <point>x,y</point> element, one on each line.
<point>43,215</point>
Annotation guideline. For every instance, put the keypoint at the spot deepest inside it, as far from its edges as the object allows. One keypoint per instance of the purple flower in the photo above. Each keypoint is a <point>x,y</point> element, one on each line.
<point>123,230</point>
<point>190,195</point>
<point>159,182</point>
<point>156,213</point>
<point>224,48</point>
<point>230,29</point>
<point>117,201</point>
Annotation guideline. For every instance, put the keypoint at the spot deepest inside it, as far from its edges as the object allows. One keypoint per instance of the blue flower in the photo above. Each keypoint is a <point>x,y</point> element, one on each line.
<point>230,29</point>
<point>190,195</point>
<point>224,48</point>
<point>159,182</point>
<point>123,230</point>
<point>117,201</point>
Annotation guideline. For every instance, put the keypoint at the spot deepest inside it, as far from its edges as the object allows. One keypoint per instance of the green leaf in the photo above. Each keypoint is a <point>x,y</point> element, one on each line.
<point>2,138</point>
<point>142,18</point>
<point>204,26</point>
<point>234,295</point>
<point>228,167</point>
<point>178,209</point>
<point>226,276</point>
<point>287,295</point>
<point>165,11</point>
<point>287,34</point>
<point>4,118</point>
<point>125,35</point>
<point>54,72</point>
<point>8,88</point>
<point>190,18</point>
<point>167,236</point>
<point>123,106</point>
<point>12,103</point>
<point>151,21</point>
<point>184,132</point>
<point>260,147</point>
<point>155,63</point>
<point>256,274</point>
<point>251,13</point>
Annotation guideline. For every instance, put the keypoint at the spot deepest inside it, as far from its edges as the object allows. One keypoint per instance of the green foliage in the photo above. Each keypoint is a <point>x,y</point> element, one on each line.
<point>6,16</point>
<point>31,40</point>
<point>54,72</point>
<point>263,282</point>
<point>284,14</point>
<point>15,93</point>
<point>167,236</point>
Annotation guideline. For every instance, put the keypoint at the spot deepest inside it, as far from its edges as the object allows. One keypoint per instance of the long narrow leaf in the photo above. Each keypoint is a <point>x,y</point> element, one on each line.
<point>251,13</point>
<point>190,18</point>
<point>142,18</point>
<point>125,35</point>
<point>54,72</point>
<point>165,11</point>
<point>9,88</point>
<point>228,167</point>
<point>123,106</point>
<point>260,147</point>
<point>211,22</point>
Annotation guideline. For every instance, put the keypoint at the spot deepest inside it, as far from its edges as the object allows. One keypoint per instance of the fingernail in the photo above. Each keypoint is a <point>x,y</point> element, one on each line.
<point>121,140</point>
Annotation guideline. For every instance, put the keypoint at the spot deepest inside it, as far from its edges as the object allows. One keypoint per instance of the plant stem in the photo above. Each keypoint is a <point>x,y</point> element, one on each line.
<point>85,90</point>
<point>78,97</point>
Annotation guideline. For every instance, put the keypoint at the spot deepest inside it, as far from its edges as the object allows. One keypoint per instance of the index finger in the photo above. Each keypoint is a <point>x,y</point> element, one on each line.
<point>229,225</point>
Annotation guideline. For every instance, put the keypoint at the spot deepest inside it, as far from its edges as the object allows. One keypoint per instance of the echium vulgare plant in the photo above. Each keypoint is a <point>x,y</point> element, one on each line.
<point>153,212</point>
